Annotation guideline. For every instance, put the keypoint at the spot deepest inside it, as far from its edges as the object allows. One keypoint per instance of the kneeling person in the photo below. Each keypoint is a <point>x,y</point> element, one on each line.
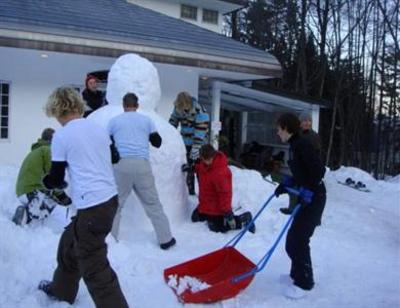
<point>37,201</point>
<point>215,193</point>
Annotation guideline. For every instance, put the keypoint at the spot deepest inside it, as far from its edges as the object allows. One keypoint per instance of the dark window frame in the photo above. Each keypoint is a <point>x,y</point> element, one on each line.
<point>210,16</point>
<point>4,109</point>
<point>189,12</point>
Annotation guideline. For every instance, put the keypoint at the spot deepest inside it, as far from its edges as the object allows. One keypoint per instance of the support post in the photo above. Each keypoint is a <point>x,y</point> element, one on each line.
<point>215,112</point>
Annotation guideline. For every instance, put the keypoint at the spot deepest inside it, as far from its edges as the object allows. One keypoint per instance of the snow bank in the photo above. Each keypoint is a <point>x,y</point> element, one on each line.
<point>395,179</point>
<point>357,242</point>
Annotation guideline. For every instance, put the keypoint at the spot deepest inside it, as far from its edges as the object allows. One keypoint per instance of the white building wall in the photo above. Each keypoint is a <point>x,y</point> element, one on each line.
<point>173,9</point>
<point>33,78</point>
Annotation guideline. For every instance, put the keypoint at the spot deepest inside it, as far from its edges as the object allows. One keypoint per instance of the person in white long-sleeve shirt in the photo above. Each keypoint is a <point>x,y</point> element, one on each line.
<point>83,148</point>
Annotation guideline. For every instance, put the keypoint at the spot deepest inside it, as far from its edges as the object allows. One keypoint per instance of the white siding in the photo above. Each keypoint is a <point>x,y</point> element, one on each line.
<point>33,78</point>
<point>173,9</point>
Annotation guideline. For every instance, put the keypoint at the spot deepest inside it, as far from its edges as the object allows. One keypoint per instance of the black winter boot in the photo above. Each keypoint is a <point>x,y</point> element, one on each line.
<point>245,219</point>
<point>169,244</point>
<point>286,210</point>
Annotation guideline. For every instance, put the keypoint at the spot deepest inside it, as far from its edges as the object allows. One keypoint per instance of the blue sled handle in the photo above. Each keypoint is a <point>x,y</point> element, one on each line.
<point>305,194</point>
<point>238,236</point>
<point>264,260</point>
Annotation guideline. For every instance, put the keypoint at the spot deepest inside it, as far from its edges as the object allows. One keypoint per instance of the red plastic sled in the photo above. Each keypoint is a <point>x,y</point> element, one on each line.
<point>218,269</point>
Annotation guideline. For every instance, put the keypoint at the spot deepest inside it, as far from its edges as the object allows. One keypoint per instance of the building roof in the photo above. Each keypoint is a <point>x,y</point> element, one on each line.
<point>115,27</point>
<point>238,2</point>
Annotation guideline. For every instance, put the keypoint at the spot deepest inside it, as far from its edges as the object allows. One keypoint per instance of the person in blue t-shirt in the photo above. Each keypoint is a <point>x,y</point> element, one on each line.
<point>132,132</point>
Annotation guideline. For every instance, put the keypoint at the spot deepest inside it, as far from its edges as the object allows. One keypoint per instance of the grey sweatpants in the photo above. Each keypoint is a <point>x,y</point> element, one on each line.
<point>136,174</point>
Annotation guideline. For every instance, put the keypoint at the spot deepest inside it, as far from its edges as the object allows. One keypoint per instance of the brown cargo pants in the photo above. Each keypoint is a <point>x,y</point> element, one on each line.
<point>82,253</point>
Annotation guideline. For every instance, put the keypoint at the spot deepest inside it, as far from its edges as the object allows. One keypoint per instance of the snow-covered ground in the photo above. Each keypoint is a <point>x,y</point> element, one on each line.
<point>356,251</point>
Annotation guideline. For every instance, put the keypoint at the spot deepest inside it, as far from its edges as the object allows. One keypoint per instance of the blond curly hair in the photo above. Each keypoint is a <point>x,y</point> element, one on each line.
<point>64,101</point>
<point>183,101</point>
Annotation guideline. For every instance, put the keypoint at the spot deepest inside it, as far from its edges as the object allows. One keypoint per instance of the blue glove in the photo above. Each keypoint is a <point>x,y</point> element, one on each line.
<point>288,181</point>
<point>229,221</point>
<point>305,195</point>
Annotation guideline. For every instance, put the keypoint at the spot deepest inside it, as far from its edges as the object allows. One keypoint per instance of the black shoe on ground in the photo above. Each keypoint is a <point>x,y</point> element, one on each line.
<point>360,185</point>
<point>169,244</point>
<point>286,210</point>
<point>20,216</point>
<point>246,218</point>
<point>45,286</point>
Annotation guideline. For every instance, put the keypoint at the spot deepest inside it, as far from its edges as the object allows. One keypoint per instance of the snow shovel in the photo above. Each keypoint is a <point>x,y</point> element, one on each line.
<point>222,273</point>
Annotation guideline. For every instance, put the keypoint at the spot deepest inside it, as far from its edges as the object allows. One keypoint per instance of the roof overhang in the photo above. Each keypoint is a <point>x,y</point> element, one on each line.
<point>114,48</point>
<point>239,98</point>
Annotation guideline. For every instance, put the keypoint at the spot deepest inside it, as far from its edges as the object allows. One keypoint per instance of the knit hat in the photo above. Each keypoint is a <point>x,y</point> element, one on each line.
<point>47,134</point>
<point>89,77</point>
<point>305,116</point>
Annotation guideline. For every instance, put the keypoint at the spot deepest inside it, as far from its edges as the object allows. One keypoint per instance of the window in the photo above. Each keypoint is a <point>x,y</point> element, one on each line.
<point>188,11</point>
<point>210,16</point>
<point>4,109</point>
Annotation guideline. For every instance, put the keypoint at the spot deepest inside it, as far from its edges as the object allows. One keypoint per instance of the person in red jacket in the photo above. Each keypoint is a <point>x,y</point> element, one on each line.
<point>215,193</point>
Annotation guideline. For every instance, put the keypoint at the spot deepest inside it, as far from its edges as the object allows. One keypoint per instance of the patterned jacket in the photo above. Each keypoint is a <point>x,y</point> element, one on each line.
<point>194,124</point>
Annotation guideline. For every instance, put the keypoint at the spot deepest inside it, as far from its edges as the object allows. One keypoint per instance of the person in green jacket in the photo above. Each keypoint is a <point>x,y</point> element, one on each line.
<point>37,202</point>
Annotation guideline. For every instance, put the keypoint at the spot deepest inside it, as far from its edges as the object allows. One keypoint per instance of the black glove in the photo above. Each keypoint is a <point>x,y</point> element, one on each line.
<point>280,190</point>
<point>196,216</point>
<point>229,221</point>
<point>49,184</point>
<point>62,199</point>
<point>187,168</point>
<point>114,154</point>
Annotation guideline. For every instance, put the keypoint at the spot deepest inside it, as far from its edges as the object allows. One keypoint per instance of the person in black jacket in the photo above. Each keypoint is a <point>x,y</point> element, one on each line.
<point>308,133</point>
<point>94,98</point>
<point>308,171</point>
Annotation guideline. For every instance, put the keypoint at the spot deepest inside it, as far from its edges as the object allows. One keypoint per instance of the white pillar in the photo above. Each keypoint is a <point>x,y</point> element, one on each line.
<point>215,111</point>
<point>315,117</point>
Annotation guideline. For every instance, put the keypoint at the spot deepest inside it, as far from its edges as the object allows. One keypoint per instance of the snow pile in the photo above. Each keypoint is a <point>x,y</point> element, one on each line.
<point>358,241</point>
<point>351,172</point>
<point>352,251</point>
<point>132,73</point>
<point>395,179</point>
<point>186,283</point>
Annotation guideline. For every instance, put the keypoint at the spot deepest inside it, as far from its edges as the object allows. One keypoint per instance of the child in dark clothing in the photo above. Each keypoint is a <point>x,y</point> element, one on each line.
<point>308,172</point>
<point>215,193</point>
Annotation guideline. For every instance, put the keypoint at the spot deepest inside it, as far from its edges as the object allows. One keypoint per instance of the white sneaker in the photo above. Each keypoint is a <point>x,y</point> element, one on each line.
<point>286,280</point>
<point>294,292</point>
